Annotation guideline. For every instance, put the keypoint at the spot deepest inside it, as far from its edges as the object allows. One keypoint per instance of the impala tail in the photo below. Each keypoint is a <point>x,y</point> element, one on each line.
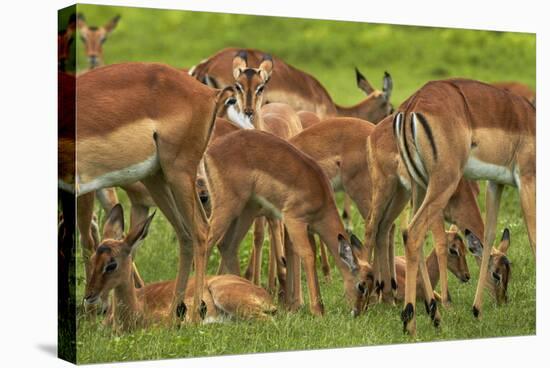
<point>407,132</point>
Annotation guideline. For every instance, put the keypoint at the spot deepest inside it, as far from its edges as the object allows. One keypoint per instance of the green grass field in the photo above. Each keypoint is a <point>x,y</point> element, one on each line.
<point>329,50</point>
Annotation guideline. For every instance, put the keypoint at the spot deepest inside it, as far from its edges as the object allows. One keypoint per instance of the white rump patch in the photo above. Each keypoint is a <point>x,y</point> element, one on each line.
<point>239,118</point>
<point>127,175</point>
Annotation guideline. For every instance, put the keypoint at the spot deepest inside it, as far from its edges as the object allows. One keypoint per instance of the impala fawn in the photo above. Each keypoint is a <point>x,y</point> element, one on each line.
<point>272,178</point>
<point>223,296</point>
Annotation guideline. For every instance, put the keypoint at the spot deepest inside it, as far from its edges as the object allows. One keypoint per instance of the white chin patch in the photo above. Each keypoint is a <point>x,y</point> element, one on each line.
<point>238,118</point>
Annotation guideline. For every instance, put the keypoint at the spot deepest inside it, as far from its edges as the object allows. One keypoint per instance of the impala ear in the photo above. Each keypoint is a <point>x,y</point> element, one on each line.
<point>240,62</point>
<point>363,83</point>
<point>346,254</point>
<point>135,236</point>
<point>387,86</point>
<point>505,241</point>
<point>111,25</point>
<point>71,23</point>
<point>474,244</point>
<point>81,21</point>
<point>114,226</point>
<point>266,67</point>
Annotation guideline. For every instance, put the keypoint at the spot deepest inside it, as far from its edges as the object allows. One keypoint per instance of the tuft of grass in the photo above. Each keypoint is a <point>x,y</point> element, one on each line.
<point>329,50</point>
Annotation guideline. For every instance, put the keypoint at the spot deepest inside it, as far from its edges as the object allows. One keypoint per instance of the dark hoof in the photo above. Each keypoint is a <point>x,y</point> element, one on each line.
<point>181,310</point>
<point>475,311</point>
<point>393,284</point>
<point>407,315</point>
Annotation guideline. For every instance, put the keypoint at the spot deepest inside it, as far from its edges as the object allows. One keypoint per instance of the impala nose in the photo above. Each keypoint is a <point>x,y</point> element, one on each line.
<point>249,112</point>
<point>93,61</point>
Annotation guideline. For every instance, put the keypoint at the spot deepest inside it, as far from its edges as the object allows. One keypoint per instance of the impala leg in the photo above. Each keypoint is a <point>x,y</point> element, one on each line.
<point>230,249</point>
<point>527,194</point>
<point>298,234</point>
<point>293,287</point>
<point>84,215</point>
<point>272,267</point>
<point>346,214</point>
<point>254,269</point>
<point>440,243</point>
<point>325,265</point>
<point>492,204</point>
<point>163,197</point>
<point>429,297</point>
<point>434,202</point>
<point>276,230</point>
<point>107,198</point>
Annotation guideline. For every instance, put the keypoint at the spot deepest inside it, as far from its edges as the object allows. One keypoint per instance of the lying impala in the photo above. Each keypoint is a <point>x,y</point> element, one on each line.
<point>297,88</point>
<point>475,130</point>
<point>390,189</point>
<point>154,129</point>
<point>94,38</point>
<point>246,183</point>
<point>224,296</point>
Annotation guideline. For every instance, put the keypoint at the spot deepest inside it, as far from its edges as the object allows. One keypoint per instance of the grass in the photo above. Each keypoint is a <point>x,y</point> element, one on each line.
<point>329,50</point>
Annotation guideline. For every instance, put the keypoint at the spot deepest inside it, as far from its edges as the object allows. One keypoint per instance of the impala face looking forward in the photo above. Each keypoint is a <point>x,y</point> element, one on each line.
<point>94,38</point>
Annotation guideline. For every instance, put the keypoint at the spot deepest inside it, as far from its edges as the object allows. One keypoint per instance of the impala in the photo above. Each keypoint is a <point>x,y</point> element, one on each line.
<point>246,183</point>
<point>390,189</point>
<point>94,38</point>
<point>225,295</point>
<point>297,88</point>
<point>475,130</point>
<point>276,118</point>
<point>153,126</point>
<point>65,39</point>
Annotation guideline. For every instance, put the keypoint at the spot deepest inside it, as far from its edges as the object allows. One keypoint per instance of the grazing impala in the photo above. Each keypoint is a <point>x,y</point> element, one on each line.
<point>224,296</point>
<point>94,38</point>
<point>459,127</point>
<point>150,123</point>
<point>297,88</point>
<point>246,183</point>
<point>390,189</point>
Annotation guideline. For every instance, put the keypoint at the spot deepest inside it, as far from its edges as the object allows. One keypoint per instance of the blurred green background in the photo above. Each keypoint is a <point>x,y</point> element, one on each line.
<point>329,50</point>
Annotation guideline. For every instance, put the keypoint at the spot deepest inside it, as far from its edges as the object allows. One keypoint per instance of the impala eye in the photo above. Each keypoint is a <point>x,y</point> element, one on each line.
<point>111,266</point>
<point>239,87</point>
<point>496,277</point>
<point>260,90</point>
<point>453,252</point>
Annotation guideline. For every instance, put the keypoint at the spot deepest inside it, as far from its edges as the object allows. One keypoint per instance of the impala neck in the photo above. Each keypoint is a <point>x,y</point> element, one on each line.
<point>362,110</point>
<point>127,308</point>
<point>433,268</point>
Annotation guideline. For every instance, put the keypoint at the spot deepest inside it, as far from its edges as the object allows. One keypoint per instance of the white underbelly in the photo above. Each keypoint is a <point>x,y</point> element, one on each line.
<point>127,175</point>
<point>476,169</point>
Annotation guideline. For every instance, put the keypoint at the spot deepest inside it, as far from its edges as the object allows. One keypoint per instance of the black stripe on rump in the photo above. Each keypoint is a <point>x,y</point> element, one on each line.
<point>428,131</point>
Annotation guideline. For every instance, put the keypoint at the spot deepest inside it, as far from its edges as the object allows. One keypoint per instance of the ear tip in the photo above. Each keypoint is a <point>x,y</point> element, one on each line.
<point>243,54</point>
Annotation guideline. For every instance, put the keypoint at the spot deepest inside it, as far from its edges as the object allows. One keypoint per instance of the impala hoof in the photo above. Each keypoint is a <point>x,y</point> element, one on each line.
<point>406,316</point>
<point>476,312</point>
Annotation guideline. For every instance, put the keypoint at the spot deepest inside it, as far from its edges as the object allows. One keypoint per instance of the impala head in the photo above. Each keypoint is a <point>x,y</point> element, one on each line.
<point>94,37</point>
<point>249,87</point>
<point>379,105</point>
<point>499,267</point>
<point>351,252</point>
<point>65,39</point>
<point>456,258</point>
<point>111,263</point>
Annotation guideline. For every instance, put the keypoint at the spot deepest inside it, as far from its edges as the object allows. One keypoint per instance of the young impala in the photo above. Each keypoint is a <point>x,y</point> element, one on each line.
<point>459,127</point>
<point>94,38</point>
<point>297,88</point>
<point>223,296</point>
<point>153,126</point>
<point>246,183</point>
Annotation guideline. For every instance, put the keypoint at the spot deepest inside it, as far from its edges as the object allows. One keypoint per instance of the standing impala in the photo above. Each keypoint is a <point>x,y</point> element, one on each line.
<point>144,122</point>
<point>296,87</point>
<point>225,295</point>
<point>246,183</point>
<point>459,127</point>
<point>94,38</point>
<point>390,193</point>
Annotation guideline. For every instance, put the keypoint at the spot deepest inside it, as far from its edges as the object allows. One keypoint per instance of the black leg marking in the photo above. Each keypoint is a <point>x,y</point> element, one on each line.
<point>427,307</point>
<point>181,309</point>
<point>345,215</point>
<point>433,309</point>
<point>203,309</point>
<point>407,315</point>
<point>475,311</point>
<point>393,284</point>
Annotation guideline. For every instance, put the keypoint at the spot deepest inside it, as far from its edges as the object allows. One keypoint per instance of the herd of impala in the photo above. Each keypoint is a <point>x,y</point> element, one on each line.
<point>244,138</point>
